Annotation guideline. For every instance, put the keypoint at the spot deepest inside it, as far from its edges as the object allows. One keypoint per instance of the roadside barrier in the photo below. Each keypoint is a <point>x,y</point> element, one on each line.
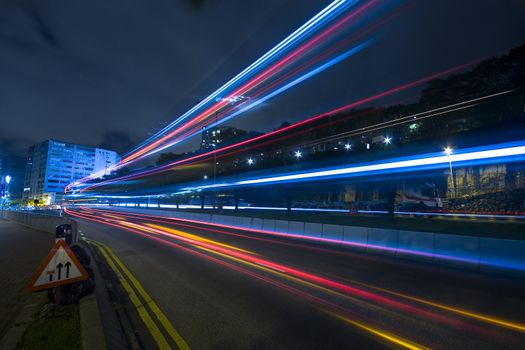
<point>42,222</point>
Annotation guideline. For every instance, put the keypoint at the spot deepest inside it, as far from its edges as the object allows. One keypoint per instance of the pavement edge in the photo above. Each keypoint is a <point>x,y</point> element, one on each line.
<point>91,332</point>
<point>91,329</point>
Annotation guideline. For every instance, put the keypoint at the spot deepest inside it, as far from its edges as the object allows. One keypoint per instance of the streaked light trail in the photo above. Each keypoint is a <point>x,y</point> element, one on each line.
<point>330,294</point>
<point>262,139</point>
<point>273,80</point>
<point>323,18</point>
<point>485,154</point>
<point>445,256</point>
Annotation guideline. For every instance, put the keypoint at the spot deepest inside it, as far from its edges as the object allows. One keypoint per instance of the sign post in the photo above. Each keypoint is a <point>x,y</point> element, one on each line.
<point>60,267</point>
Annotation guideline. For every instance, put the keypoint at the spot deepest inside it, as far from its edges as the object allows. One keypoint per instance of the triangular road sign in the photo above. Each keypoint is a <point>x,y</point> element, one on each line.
<point>60,267</point>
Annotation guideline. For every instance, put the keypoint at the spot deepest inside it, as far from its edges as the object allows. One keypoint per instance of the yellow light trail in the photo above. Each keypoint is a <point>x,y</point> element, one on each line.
<point>196,238</point>
<point>407,344</point>
<point>112,216</point>
<point>380,333</point>
<point>504,323</point>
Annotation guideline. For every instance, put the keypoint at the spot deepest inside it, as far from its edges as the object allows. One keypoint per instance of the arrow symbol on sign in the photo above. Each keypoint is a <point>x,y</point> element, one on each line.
<point>59,268</point>
<point>68,265</point>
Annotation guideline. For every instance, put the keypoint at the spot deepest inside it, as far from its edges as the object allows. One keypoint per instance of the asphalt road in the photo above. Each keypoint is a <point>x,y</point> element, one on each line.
<point>227,289</point>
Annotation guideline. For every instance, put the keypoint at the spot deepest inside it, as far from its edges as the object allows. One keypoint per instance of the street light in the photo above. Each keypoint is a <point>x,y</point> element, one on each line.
<point>205,177</point>
<point>387,140</point>
<point>298,154</point>
<point>448,152</point>
<point>250,161</point>
<point>348,146</point>
<point>5,194</point>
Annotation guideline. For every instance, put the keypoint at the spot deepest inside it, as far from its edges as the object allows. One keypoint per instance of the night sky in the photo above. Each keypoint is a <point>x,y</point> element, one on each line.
<point>110,73</point>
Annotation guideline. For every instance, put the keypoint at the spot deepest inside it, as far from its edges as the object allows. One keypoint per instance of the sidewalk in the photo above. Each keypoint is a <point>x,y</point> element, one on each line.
<point>21,250</point>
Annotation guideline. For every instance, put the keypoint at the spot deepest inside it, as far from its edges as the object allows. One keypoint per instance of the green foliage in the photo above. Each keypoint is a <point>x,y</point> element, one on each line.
<point>56,332</point>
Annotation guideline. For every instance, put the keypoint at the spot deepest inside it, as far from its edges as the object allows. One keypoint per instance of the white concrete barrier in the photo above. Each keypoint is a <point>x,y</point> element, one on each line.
<point>268,224</point>
<point>456,250</point>
<point>413,241</point>
<point>219,219</point>
<point>334,232</point>
<point>229,220</point>
<point>246,222</point>
<point>313,229</point>
<point>499,254</point>
<point>356,237</point>
<point>281,225</point>
<point>42,222</point>
<point>470,252</point>
<point>178,214</point>
<point>257,224</point>
<point>238,221</point>
<point>204,217</point>
<point>296,227</point>
<point>384,238</point>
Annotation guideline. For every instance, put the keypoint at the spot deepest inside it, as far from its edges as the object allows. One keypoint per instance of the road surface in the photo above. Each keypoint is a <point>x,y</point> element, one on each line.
<point>230,289</point>
<point>22,250</point>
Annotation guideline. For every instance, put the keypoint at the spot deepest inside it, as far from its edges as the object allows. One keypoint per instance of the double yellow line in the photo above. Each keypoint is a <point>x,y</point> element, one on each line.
<point>132,288</point>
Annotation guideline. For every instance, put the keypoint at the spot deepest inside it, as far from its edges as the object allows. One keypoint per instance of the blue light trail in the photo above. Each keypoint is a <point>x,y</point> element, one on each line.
<point>476,155</point>
<point>328,13</point>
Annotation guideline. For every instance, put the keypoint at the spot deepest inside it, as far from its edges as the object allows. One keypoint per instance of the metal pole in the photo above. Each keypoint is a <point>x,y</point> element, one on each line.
<point>214,164</point>
<point>453,185</point>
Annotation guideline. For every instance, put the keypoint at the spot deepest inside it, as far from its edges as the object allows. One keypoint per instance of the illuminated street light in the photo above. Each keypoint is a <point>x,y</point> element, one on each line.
<point>205,177</point>
<point>298,154</point>
<point>5,192</point>
<point>387,140</point>
<point>448,151</point>
<point>348,146</point>
<point>250,161</point>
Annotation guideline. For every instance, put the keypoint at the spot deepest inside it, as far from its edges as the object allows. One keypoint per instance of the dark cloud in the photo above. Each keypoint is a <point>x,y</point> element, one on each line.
<point>118,140</point>
<point>42,28</point>
<point>197,3</point>
<point>13,144</point>
<point>80,71</point>
<point>23,28</point>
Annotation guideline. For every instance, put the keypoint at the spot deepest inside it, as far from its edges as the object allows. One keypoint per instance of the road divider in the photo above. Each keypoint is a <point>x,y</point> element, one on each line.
<point>42,222</point>
<point>469,252</point>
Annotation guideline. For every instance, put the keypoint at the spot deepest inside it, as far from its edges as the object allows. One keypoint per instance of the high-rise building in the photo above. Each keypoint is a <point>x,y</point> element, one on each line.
<point>15,168</point>
<point>52,165</point>
<point>215,137</point>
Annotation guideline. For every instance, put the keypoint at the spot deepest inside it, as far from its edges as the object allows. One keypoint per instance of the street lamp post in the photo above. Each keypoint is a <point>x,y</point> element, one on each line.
<point>5,195</point>
<point>214,164</point>
<point>448,152</point>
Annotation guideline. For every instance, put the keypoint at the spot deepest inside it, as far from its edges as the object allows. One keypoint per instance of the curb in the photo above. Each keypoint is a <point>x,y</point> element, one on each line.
<point>91,332</point>
<point>98,312</point>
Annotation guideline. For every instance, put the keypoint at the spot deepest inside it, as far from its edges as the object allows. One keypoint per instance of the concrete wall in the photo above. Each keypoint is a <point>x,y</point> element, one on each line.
<point>41,222</point>
<point>470,252</point>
